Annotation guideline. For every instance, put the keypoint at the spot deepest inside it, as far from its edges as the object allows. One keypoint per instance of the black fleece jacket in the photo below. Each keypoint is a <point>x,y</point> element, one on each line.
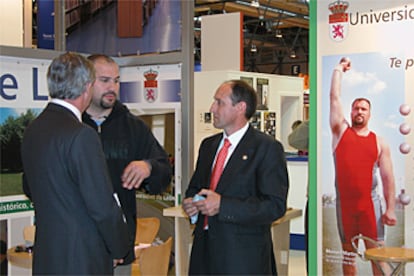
<point>127,138</point>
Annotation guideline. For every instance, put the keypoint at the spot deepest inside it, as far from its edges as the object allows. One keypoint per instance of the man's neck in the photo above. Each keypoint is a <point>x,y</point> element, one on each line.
<point>98,113</point>
<point>361,131</point>
<point>236,126</point>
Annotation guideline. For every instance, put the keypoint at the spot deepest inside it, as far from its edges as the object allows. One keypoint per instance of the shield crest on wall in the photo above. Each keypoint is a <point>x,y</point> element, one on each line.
<point>151,86</point>
<point>338,20</point>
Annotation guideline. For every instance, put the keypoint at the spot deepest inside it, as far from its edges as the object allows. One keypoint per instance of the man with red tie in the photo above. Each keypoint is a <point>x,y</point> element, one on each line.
<point>242,175</point>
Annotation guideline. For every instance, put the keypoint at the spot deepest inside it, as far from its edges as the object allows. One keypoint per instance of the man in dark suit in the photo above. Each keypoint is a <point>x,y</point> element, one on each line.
<point>251,192</point>
<point>80,228</point>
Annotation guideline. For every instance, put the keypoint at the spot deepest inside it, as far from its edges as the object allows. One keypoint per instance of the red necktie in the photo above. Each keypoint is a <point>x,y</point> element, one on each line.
<point>218,168</point>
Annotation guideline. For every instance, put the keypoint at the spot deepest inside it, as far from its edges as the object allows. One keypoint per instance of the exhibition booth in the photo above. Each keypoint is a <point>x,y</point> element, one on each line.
<point>165,86</point>
<point>24,90</point>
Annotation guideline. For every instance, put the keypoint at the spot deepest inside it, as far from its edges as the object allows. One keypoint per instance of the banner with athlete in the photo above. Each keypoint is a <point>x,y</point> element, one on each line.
<point>364,112</point>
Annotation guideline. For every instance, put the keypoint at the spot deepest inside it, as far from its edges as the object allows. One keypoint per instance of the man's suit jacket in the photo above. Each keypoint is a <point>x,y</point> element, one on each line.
<point>253,189</point>
<point>79,226</point>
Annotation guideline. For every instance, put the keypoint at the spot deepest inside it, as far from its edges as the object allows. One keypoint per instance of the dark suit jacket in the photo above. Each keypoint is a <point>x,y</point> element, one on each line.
<point>79,226</point>
<point>253,188</point>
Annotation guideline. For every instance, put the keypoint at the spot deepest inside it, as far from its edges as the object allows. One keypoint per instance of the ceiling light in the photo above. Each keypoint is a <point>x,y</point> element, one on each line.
<point>253,48</point>
<point>279,34</point>
<point>293,54</point>
<point>255,3</point>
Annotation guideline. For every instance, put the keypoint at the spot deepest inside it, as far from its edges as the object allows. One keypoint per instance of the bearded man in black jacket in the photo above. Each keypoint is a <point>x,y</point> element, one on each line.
<point>135,158</point>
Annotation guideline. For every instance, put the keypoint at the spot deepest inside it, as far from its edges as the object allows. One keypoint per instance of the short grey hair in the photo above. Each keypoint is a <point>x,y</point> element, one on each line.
<point>68,75</point>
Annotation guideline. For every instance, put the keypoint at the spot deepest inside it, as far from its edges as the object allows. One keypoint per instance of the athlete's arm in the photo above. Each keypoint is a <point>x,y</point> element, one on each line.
<point>336,114</point>
<point>388,182</point>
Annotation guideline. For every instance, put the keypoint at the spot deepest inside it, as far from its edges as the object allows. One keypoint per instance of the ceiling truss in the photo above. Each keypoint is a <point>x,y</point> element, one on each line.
<point>275,29</point>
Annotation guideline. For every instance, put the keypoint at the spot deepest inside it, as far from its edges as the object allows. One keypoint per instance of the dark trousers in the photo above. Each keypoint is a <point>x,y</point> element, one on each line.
<point>198,267</point>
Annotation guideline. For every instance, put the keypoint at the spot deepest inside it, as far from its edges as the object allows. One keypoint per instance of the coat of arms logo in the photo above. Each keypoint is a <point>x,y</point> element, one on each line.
<point>338,20</point>
<point>151,86</point>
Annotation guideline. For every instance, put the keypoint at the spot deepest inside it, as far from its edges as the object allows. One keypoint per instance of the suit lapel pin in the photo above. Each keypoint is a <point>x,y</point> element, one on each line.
<point>244,157</point>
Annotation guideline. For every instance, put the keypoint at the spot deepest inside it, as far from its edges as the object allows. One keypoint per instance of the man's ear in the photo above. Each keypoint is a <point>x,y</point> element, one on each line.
<point>241,106</point>
<point>87,94</point>
<point>88,89</point>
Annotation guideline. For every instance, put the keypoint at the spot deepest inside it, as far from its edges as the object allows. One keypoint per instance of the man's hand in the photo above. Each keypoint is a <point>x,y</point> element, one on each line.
<point>135,173</point>
<point>389,218</point>
<point>118,261</point>
<point>211,205</point>
<point>189,208</point>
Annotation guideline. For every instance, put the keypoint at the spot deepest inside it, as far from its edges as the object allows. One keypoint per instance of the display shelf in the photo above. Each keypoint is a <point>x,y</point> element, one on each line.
<point>77,11</point>
<point>71,5</point>
<point>265,121</point>
<point>71,13</point>
<point>72,18</point>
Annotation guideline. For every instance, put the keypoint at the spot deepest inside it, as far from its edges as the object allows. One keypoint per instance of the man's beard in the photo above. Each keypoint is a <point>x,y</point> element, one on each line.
<point>356,122</point>
<point>107,104</point>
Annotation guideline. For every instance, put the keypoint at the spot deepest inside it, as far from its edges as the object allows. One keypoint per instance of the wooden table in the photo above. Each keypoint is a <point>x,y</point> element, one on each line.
<point>280,233</point>
<point>396,257</point>
<point>20,259</point>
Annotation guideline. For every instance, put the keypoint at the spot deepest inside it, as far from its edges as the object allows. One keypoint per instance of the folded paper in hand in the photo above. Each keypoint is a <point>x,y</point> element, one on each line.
<point>197,197</point>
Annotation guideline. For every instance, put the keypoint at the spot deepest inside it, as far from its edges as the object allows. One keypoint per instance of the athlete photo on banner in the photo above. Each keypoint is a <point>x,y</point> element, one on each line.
<point>363,168</point>
<point>365,117</point>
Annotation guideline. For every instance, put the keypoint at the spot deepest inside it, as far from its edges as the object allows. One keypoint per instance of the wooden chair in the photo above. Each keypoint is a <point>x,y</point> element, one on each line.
<point>147,230</point>
<point>29,234</point>
<point>355,244</point>
<point>154,260</point>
